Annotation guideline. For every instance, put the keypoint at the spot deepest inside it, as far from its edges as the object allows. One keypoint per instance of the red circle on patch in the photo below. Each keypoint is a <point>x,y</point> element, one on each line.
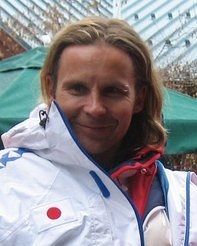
<point>54,213</point>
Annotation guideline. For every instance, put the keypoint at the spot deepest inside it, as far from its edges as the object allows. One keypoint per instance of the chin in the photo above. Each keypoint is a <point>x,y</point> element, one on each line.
<point>96,151</point>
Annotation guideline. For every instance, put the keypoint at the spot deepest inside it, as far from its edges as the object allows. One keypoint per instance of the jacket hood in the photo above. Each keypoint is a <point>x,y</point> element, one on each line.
<point>27,134</point>
<point>48,134</point>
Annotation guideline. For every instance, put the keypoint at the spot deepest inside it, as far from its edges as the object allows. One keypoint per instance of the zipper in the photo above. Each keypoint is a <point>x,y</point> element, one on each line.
<point>95,177</point>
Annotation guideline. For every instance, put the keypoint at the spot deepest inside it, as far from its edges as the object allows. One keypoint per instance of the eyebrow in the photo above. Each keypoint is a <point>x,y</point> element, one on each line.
<point>70,82</point>
<point>66,83</point>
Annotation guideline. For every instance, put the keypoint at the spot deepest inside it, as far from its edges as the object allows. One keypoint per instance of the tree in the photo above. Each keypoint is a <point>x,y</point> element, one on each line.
<point>38,25</point>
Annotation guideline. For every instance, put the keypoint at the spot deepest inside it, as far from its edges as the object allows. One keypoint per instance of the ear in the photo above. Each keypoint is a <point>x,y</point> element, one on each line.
<point>139,100</point>
<point>49,87</point>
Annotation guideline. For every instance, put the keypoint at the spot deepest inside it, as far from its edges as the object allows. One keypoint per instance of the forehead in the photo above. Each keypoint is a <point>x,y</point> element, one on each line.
<point>96,57</point>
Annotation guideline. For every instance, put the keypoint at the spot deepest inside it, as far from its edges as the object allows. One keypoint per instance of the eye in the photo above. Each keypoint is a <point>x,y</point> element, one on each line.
<point>115,91</point>
<point>77,89</point>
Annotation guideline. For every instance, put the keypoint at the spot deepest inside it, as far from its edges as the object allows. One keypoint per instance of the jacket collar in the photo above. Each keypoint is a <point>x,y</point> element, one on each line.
<point>50,136</point>
<point>141,160</point>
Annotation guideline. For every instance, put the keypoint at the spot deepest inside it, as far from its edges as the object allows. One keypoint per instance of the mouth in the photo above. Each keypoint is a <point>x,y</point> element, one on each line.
<point>95,129</point>
<point>96,126</point>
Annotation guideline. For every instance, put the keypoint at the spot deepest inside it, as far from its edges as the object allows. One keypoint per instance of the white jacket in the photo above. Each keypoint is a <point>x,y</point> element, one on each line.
<point>54,193</point>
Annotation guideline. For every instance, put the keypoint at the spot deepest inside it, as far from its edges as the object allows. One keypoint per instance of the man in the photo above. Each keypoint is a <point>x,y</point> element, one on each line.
<point>83,169</point>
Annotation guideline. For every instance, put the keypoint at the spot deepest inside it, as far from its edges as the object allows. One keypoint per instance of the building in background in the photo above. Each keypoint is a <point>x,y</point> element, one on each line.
<point>168,26</point>
<point>10,44</point>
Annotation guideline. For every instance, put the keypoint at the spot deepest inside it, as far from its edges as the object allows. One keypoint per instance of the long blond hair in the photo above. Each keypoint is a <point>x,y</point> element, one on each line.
<point>146,128</point>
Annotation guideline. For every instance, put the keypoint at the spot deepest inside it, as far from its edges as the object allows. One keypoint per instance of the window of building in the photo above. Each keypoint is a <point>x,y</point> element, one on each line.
<point>150,42</point>
<point>136,16</point>
<point>168,43</point>
<point>153,16</point>
<point>188,16</point>
<point>187,43</point>
<point>170,16</point>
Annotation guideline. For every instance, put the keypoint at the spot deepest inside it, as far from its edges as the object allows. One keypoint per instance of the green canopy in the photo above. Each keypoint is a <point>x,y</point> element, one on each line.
<point>20,93</point>
<point>19,86</point>
<point>180,119</point>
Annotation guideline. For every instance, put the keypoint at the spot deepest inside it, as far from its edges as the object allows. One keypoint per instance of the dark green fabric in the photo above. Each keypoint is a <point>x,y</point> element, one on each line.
<point>180,118</point>
<point>19,97</point>
<point>19,87</point>
<point>20,93</point>
<point>31,59</point>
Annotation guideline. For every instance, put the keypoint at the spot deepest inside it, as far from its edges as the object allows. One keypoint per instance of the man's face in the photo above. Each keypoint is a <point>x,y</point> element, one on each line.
<point>96,91</point>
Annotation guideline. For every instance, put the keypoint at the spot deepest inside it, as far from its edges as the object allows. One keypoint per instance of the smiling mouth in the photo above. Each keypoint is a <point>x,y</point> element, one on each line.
<point>96,127</point>
<point>94,132</point>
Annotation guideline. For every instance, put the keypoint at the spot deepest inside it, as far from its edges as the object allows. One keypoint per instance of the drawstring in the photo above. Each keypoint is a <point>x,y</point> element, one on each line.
<point>100,184</point>
<point>43,118</point>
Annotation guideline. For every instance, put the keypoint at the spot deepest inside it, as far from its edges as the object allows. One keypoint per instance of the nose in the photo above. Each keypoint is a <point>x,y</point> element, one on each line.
<point>95,105</point>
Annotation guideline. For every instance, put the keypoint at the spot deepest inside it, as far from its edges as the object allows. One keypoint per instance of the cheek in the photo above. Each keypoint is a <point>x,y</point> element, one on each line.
<point>126,120</point>
<point>71,106</point>
<point>67,105</point>
<point>124,115</point>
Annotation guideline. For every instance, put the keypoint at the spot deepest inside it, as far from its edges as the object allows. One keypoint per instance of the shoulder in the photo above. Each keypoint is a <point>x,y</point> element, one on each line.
<point>178,186</point>
<point>23,183</point>
<point>22,168</point>
<point>24,161</point>
<point>180,177</point>
<point>181,199</point>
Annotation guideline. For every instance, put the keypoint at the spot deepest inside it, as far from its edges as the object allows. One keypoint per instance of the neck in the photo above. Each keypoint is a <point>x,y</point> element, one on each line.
<point>109,159</point>
<point>105,161</point>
